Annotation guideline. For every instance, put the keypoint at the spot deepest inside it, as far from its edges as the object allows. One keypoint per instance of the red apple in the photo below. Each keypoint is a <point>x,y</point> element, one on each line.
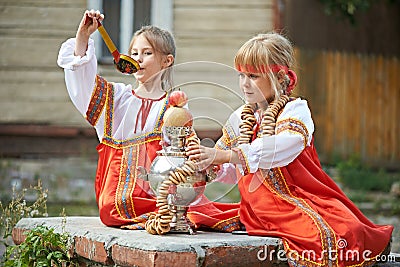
<point>178,99</point>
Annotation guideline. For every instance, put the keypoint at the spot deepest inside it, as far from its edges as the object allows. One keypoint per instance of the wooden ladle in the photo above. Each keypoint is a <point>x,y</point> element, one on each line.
<point>123,63</point>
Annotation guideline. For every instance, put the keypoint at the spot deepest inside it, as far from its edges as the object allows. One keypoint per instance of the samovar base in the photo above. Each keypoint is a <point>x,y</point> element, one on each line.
<point>180,223</point>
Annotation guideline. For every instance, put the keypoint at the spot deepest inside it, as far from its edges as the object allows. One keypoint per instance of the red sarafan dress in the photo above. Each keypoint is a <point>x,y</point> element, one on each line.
<point>285,193</point>
<point>129,129</point>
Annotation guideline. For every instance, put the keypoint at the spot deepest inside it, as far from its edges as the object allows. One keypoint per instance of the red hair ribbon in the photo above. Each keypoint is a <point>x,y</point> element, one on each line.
<point>275,69</point>
<point>293,81</point>
<point>262,68</point>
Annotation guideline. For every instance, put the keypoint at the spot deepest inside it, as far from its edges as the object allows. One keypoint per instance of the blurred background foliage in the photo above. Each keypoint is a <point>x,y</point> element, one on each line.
<point>346,9</point>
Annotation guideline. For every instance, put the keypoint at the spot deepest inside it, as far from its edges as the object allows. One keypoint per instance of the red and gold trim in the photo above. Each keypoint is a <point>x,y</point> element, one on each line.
<point>138,223</point>
<point>126,184</point>
<point>228,225</point>
<point>97,101</point>
<point>294,126</point>
<point>228,139</point>
<point>108,125</point>
<point>142,139</point>
<point>275,181</point>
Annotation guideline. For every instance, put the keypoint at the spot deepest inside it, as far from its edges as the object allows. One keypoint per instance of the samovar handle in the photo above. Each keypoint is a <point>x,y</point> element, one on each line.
<point>142,173</point>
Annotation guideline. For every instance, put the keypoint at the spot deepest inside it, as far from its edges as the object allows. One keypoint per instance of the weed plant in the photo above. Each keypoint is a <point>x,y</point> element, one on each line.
<point>42,246</point>
<point>19,208</point>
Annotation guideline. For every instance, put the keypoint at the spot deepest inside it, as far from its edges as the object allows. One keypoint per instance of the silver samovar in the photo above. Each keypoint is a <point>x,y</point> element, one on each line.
<point>180,195</point>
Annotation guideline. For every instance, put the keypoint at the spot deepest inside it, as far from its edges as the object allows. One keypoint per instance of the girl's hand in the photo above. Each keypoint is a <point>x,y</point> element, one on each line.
<point>88,25</point>
<point>205,156</point>
<point>89,22</point>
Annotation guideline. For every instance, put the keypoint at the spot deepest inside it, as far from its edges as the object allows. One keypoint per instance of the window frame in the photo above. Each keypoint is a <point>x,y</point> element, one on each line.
<point>161,15</point>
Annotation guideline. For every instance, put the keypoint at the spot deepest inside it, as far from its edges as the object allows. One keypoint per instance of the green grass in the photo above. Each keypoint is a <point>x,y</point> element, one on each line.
<point>357,176</point>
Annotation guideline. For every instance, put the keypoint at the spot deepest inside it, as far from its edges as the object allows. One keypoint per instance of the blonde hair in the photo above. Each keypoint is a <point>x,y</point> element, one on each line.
<point>265,50</point>
<point>163,43</point>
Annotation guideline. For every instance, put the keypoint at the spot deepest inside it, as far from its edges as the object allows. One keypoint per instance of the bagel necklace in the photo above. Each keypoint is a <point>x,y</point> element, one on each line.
<point>246,127</point>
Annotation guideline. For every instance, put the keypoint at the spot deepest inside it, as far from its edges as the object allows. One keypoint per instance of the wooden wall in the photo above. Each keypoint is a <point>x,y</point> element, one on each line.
<point>32,86</point>
<point>214,30</point>
<point>355,104</point>
<point>375,31</point>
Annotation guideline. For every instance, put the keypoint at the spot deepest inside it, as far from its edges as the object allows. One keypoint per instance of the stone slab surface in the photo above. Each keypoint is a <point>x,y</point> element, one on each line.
<point>98,245</point>
<point>109,246</point>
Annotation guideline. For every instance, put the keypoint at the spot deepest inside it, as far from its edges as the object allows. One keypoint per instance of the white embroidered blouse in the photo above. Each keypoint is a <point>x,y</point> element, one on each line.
<point>293,132</point>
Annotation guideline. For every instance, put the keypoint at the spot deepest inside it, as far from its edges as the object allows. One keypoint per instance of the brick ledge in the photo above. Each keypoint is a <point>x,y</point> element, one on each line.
<point>94,244</point>
<point>97,244</point>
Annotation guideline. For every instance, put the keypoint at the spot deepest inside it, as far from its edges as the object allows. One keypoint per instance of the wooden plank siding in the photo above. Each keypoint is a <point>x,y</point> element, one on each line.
<point>32,85</point>
<point>354,100</point>
<point>214,30</point>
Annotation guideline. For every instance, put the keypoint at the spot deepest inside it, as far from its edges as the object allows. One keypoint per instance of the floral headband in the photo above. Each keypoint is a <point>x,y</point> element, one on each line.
<point>275,69</point>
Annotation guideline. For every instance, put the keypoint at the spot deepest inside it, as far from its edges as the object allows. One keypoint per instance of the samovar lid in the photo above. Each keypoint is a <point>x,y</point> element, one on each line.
<point>171,153</point>
<point>178,130</point>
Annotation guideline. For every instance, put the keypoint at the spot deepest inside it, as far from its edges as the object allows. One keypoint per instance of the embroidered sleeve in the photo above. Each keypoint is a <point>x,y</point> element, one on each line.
<point>97,101</point>
<point>293,126</point>
<point>229,141</point>
<point>296,120</point>
<point>228,138</point>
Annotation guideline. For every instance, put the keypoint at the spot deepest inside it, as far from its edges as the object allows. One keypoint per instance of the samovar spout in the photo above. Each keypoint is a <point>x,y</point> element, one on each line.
<point>142,173</point>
